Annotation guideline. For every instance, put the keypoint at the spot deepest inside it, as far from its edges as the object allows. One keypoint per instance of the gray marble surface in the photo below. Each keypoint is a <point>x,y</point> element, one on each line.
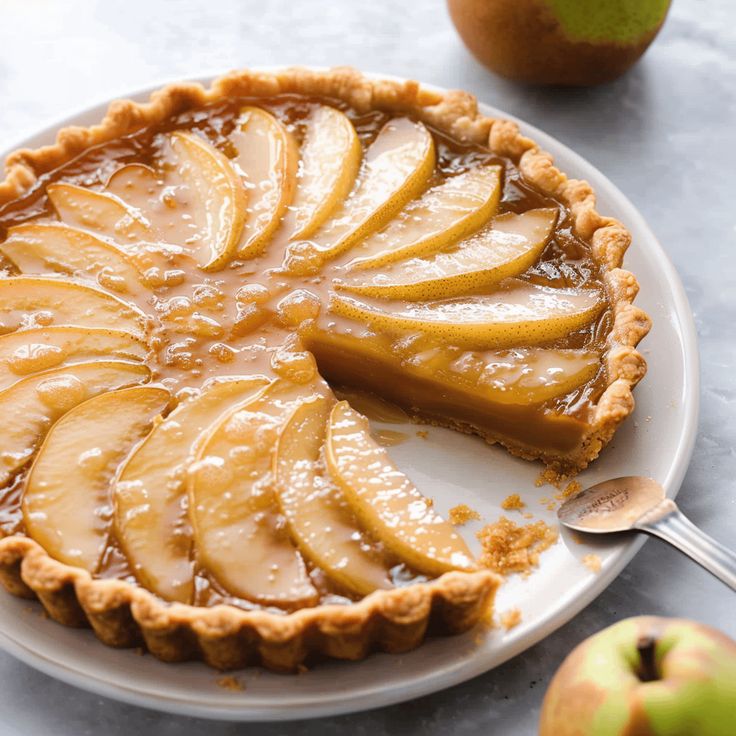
<point>663,134</point>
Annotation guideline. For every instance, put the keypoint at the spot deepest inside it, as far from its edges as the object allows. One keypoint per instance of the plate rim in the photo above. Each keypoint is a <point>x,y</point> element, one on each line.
<point>437,679</point>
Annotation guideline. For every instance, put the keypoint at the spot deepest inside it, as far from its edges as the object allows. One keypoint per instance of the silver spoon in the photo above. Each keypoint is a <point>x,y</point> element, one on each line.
<point>638,503</point>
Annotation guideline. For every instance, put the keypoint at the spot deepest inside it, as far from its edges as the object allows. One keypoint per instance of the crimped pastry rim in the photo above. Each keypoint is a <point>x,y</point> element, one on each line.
<point>467,596</point>
<point>454,112</point>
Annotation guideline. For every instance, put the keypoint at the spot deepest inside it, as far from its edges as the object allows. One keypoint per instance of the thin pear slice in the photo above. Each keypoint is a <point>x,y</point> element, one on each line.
<point>320,521</point>
<point>67,502</point>
<point>31,351</point>
<point>268,158</point>
<point>38,248</point>
<point>518,313</point>
<point>444,214</point>
<point>416,372</point>
<point>36,301</point>
<point>101,212</point>
<point>233,510</point>
<point>386,501</point>
<point>396,168</point>
<point>509,247</point>
<point>175,211</point>
<point>330,160</point>
<point>150,493</point>
<point>131,180</point>
<point>30,406</point>
<point>219,193</point>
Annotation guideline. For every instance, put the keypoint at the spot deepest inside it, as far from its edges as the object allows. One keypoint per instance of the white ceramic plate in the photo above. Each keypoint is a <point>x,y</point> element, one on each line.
<point>450,468</point>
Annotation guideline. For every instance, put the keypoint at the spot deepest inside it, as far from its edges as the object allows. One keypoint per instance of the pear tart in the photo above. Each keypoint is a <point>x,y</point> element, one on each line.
<point>184,283</point>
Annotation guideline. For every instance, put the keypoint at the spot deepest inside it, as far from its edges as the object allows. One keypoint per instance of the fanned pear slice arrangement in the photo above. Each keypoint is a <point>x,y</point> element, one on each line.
<point>173,204</point>
<point>232,506</point>
<point>396,168</point>
<point>100,212</point>
<point>67,503</point>
<point>150,492</point>
<point>386,501</point>
<point>330,161</point>
<point>321,523</point>
<point>219,196</point>
<point>507,248</point>
<point>268,158</point>
<point>442,215</point>
<point>41,301</point>
<point>518,313</point>
<point>39,349</point>
<point>38,248</point>
<point>175,296</point>
<point>30,406</point>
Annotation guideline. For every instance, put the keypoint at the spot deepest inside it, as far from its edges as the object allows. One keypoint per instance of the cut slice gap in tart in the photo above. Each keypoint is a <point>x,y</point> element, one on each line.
<point>268,158</point>
<point>150,492</point>
<point>498,394</point>
<point>30,406</point>
<point>443,215</point>
<point>67,502</point>
<point>515,376</point>
<point>41,301</point>
<point>518,313</point>
<point>507,248</point>
<point>320,521</point>
<point>233,508</point>
<point>386,501</point>
<point>41,348</point>
<point>556,399</point>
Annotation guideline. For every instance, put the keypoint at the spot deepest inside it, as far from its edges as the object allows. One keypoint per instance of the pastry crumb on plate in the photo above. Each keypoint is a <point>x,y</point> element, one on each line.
<point>509,547</point>
<point>510,619</point>
<point>462,514</point>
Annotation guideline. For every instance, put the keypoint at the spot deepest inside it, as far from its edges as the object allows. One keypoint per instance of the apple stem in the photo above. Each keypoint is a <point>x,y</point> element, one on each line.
<point>646,646</point>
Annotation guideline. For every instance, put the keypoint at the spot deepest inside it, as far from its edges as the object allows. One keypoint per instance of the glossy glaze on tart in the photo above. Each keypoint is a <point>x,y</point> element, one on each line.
<point>186,282</point>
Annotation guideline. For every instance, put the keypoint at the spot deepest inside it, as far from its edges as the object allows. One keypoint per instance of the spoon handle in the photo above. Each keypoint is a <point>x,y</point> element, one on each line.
<point>669,523</point>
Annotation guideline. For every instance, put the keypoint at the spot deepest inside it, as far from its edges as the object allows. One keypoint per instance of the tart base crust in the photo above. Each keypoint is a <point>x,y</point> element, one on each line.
<point>124,615</point>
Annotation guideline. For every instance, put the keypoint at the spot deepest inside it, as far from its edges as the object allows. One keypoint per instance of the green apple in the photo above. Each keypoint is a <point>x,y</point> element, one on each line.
<point>645,675</point>
<point>573,42</point>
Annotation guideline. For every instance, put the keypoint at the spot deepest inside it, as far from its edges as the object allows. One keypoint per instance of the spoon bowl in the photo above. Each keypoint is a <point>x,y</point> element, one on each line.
<point>611,506</point>
<point>637,503</point>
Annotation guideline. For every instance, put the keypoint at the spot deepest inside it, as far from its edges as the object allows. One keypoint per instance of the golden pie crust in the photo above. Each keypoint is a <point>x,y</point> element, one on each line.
<point>125,615</point>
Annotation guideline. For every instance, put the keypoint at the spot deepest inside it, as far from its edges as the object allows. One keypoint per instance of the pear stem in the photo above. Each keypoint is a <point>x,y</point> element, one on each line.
<point>646,646</point>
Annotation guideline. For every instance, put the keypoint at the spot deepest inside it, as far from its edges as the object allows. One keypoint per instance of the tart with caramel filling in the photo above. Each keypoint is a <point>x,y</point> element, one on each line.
<point>183,286</point>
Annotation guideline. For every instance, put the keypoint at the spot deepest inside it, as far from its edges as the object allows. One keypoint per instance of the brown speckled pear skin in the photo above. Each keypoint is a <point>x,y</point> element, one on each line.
<point>522,41</point>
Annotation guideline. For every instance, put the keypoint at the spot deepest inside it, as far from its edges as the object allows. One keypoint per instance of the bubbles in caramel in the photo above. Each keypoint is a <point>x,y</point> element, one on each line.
<point>178,303</point>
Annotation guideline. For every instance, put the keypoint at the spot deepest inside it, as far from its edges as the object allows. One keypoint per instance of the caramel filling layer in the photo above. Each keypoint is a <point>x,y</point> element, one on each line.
<point>266,244</point>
